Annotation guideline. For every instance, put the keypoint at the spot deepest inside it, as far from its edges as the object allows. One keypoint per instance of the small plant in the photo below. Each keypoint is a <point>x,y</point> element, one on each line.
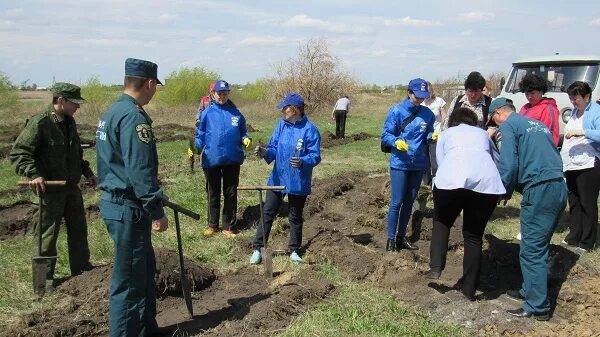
<point>9,97</point>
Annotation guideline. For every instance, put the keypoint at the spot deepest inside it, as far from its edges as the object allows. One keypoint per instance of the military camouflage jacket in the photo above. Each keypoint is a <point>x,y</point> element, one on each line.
<point>44,150</point>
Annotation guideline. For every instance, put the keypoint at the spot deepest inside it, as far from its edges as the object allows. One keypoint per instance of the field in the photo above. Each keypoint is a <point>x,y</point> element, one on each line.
<point>348,285</point>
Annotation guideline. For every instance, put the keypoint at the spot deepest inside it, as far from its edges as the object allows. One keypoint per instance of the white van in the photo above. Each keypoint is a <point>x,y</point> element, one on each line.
<point>560,71</point>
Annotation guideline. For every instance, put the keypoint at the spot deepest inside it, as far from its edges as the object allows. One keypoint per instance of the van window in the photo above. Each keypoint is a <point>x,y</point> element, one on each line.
<point>559,76</point>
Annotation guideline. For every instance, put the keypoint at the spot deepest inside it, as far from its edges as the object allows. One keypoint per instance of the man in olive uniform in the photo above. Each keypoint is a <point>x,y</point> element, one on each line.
<point>131,203</point>
<point>531,165</point>
<point>49,148</point>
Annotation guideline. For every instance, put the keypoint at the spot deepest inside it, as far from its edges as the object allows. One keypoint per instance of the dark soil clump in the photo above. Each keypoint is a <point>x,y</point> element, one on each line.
<point>328,139</point>
<point>15,219</point>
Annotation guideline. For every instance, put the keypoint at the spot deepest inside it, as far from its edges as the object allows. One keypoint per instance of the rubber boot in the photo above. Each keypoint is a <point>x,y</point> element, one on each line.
<point>391,245</point>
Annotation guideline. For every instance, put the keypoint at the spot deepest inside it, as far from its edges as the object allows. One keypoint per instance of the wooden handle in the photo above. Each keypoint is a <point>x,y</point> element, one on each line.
<point>48,183</point>
<point>182,210</point>
<point>261,188</point>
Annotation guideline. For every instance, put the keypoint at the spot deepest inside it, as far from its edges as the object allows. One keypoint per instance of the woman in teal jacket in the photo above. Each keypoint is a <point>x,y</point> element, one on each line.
<point>220,136</point>
<point>295,146</point>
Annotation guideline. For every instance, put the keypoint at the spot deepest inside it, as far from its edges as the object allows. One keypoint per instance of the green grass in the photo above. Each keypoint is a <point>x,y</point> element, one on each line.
<point>363,310</point>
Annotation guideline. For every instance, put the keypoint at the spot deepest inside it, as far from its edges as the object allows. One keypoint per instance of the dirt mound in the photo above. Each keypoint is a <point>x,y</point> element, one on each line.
<point>167,278</point>
<point>5,151</point>
<point>328,139</point>
<point>15,219</point>
<point>330,188</point>
<point>172,132</point>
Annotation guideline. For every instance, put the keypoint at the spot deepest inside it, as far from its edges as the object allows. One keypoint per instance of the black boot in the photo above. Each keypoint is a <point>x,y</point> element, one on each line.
<point>391,246</point>
<point>403,243</point>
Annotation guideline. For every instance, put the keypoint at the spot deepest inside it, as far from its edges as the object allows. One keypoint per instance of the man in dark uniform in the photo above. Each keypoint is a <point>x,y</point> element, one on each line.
<point>49,148</point>
<point>131,201</point>
<point>531,165</point>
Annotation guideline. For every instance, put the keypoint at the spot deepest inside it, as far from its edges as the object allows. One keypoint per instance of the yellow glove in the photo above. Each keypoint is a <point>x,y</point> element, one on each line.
<point>435,136</point>
<point>190,153</point>
<point>401,145</point>
<point>247,142</point>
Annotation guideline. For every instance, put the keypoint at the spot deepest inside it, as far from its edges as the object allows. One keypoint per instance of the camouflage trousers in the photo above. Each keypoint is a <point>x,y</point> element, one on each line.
<point>67,205</point>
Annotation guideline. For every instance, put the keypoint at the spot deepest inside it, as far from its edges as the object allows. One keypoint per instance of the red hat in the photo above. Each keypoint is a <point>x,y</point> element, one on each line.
<point>212,86</point>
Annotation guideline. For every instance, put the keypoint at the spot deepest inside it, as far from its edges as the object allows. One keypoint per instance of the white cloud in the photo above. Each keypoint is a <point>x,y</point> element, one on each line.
<point>368,52</point>
<point>407,21</point>
<point>560,21</point>
<point>15,13</point>
<point>214,39</point>
<point>466,33</point>
<point>306,22</point>
<point>264,41</point>
<point>595,22</point>
<point>5,24</point>
<point>476,17</point>
<point>166,18</point>
<point>118,43</point>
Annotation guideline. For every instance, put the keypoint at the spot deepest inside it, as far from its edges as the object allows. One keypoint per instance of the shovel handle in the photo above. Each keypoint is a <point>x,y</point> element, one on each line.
<point>261,188</point>
<point>181,210</point>
<point>48,182</point>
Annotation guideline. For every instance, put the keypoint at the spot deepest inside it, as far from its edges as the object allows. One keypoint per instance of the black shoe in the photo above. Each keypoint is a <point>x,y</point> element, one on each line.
<point>433,275</point>
<point>521,313</point>
<point>403,243</point>
<point>166,331</point>
<point>515,295</point>
<point>391,246</point>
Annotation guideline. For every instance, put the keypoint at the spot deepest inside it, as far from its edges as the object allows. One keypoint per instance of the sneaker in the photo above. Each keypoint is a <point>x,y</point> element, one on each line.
<point>255,258</point>
<point>229,233</point>
<point>295,257</point>
<point>210,231</point>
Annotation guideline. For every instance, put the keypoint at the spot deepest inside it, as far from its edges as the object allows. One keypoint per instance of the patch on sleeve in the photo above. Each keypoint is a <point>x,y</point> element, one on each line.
<point>144,132</point>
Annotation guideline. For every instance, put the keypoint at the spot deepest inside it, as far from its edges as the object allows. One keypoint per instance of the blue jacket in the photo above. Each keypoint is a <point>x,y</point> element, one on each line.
<point>127,159</point>
<point>220,133</point>
<point>283,145</point>
<point>415,134</point>
<point>591,123</point>
<point>528,155</point>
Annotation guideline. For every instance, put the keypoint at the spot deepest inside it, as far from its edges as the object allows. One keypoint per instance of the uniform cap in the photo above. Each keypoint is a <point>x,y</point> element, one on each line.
<point>419,87</point>
<point>69,91</point>
<point>141,68</point>
<point>498,103</point>
<point>293,99</point>
<point>221,85</point>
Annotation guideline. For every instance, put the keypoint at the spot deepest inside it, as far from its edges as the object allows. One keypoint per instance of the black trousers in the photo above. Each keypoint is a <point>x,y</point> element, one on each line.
<point>296,207</point>
<point>584,186</point>
<point>432,161</point>
<point>478,208</point>
<point>230,177</point>
<point>340,123</point>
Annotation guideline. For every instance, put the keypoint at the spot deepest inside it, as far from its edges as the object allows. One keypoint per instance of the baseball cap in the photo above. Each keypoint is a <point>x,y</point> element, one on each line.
<point>419,88</point>
<point>291,99</point>
<point>141,68</point>
<point>498,103</point>
<point>221,85</point>
<point>69,91</point>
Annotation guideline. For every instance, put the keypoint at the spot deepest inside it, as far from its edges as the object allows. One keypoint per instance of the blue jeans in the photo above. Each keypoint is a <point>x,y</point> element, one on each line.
<point>132,306</point>
<point>405,185</point>
<point>541,208</point>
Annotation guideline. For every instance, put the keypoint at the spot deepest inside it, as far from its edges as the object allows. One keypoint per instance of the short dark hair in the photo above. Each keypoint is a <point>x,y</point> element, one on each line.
<point>54,100</point>
<point>531,82</point>
<point>136,83</point>
<point>579,88</point>
<point>463,116</point>
<point>475,81</point>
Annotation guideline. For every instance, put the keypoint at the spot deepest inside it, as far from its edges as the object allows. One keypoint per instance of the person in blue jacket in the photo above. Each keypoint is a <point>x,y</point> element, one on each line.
<point>220,136</point>
<point>530,164</point>
<point>295,146</point>
<point>131,202</point>
<point>407,130</point>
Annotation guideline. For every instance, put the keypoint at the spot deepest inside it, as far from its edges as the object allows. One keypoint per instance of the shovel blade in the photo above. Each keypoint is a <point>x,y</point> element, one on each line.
<point>40,266</point>
<point>187,295</point>
<point>267,257</point>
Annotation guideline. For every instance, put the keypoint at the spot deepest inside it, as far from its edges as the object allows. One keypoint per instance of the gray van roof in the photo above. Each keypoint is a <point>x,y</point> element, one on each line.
<point>559,59</point>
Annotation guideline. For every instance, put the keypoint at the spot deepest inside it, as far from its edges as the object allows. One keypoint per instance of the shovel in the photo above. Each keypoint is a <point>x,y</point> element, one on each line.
<point>185,284</point>
<point>41,265</point>
<point>265,252</point>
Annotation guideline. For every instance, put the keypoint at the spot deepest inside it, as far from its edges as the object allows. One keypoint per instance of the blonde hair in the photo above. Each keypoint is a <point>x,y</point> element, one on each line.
<point>431,91</point>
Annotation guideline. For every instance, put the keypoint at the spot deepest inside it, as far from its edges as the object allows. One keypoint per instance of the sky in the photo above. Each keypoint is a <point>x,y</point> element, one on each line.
<point>377,42</point>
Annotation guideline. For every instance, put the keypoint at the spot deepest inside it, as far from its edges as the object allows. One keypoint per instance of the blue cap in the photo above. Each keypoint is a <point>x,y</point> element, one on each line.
<point>498,103</point>
<point>141,68</point>
<point>221,85</point>
<point>291,99</point>
<point>419,88</point>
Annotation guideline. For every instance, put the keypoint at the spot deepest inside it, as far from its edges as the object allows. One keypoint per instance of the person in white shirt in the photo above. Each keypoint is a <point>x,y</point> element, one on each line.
<point>339,114</point>
<point>436,104</point>
<point>460,185</point>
